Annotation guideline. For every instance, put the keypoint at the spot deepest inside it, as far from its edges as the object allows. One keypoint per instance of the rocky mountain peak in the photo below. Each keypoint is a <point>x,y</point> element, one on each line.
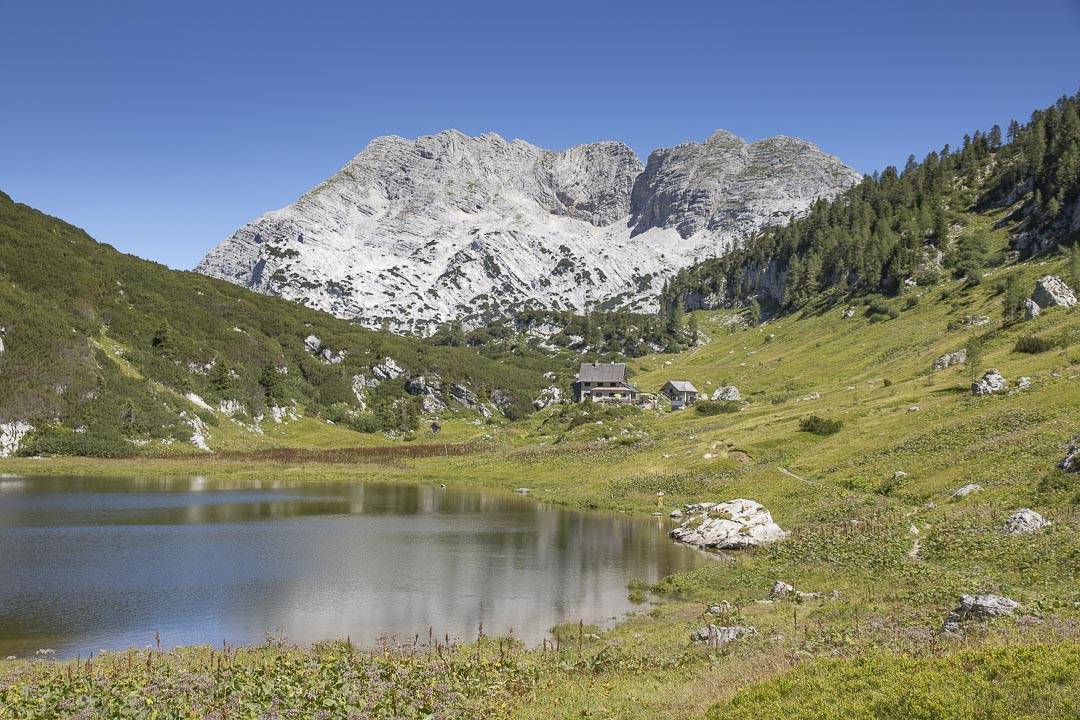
<point>451,226</point>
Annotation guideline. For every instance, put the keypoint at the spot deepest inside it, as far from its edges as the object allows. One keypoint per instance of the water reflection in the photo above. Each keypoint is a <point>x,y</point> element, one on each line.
<point>89,563</point>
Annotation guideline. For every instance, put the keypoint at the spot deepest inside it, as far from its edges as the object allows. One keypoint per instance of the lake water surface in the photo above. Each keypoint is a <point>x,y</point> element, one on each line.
<point>90,563</point>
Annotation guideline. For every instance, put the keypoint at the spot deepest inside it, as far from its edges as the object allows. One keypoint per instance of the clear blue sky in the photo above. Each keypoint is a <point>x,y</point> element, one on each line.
<point>160,127</point>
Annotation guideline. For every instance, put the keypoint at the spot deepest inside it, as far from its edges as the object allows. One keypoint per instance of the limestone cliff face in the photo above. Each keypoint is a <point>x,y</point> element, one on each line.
<point>417,232</point>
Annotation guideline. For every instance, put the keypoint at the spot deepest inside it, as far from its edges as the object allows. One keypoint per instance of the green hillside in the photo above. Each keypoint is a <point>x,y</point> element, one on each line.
<point>101,350</point>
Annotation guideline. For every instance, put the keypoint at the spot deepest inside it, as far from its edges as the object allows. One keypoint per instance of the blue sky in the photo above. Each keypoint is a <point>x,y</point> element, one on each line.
<point>161,127</point>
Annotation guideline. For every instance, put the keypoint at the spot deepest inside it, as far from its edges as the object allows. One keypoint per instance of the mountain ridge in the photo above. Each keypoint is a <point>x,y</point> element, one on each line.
<point>415,233</point>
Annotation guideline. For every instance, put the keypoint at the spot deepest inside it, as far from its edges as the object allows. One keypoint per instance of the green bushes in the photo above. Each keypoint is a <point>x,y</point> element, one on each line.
<point>54,440</point>
<point>819,425</point>
<point>716,407</point>
<point>1034,344</point>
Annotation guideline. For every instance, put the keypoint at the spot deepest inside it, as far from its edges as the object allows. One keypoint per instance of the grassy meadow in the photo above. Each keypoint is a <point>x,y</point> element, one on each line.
<point>874,529</point>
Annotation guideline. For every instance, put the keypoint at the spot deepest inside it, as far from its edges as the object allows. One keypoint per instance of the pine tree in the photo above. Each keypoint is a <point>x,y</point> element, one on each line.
<point>755,312</point>
<point>1013,301</point>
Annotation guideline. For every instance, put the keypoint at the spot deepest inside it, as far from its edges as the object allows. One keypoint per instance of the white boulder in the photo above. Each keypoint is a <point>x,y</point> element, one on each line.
<point>1025,522</point>
<point>979,607</point>
<point>714,635</point>
<point>728,525</point>
<point>990,383</point>
<point>728,393</point>
<point>1071,462</point>
<point>1050,291</point>
<point>550,395</point>
<point>949,359</point>
<point>966,490</point>
<point>1031,309</point>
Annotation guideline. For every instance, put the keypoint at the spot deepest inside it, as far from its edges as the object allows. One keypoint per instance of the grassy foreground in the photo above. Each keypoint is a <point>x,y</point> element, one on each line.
<point>889,553</point>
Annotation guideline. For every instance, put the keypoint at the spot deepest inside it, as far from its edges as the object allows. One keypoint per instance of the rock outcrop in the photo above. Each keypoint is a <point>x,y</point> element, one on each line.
<point>979,607</point>
<point>959,357</point>
<point>417,232</point>
<point>732,525</point>
<point>1051,291</point>
<point>11,436</point>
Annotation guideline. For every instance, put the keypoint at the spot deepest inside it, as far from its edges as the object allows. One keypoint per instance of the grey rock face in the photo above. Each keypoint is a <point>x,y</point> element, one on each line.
<point>1025,522</point>
<point>732,525</point>
<point>1051,291</point>
<point>989,384</point>
<point>979,607</point>
<point>727,184</point>
<point>417,232</point>
<point>726,393</point>
<point>952,358</point>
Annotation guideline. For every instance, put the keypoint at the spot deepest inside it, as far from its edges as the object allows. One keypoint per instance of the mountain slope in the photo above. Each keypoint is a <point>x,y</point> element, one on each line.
<point>103,353</point>
<point>417,233</point>
<point>911,226</point>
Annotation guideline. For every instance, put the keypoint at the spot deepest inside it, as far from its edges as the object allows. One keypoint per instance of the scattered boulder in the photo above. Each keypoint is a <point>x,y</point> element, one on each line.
<point>329,356</point>
<point>914,408</point>
<point>899,475</point>
<point>781,589</point>
<point>966,490</point>
<point>849,313</point>
<point>11,436</point>
<point>949,359</point>
<point>676,514</point>
<point>523,491</point>
<point>719,608</point>
<point>1031,309</point>
<point>1023,383</point>
<point>990,383</point>
<point>728,393</point>
<point>1071,463</point>
<point>1051,291</point>
<point>313,343</point>
<point>1025,522</point>
<point>728,525</point>
<point>971,321</point>
<point>3,333</point>
<point>979,607</point>
<point>714,636</point>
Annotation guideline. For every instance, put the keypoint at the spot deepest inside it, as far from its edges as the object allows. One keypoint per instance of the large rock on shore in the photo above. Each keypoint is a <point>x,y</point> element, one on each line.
<point>732,525</point>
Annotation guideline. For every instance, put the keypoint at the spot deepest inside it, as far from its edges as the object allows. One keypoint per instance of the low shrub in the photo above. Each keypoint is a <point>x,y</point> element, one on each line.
<point>1033,344</point>
<point>716,407</point>
<point>819,425</point>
